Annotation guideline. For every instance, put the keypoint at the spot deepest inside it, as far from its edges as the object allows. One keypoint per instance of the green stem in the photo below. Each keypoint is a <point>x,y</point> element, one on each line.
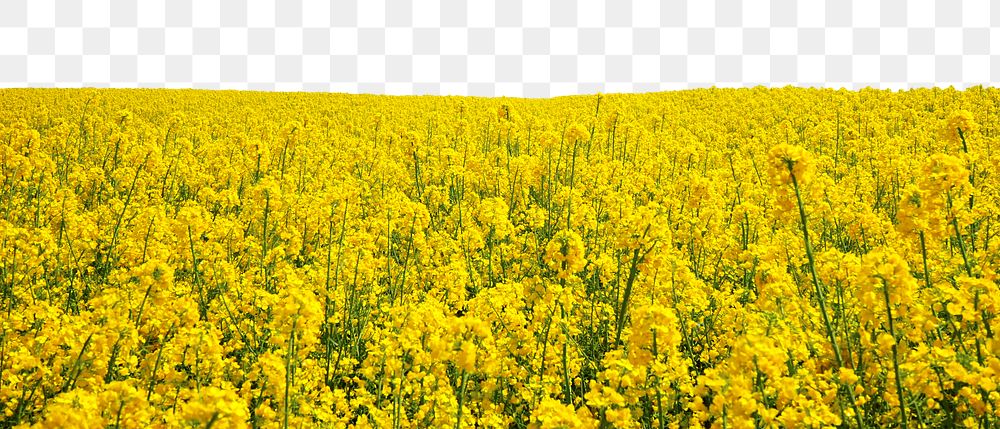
<point>961,247</point>
<point>461,399</point>
<point>895,355</point>
<point>819,290</point>
<point>288,374</point>
<point>923,253</point>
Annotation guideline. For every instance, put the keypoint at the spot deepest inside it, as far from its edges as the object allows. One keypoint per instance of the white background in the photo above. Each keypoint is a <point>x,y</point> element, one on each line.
<point>486,47</point>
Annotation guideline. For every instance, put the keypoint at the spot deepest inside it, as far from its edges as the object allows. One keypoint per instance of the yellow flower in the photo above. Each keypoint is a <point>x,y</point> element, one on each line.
<point>564,254</point>
<point>959,126</point>
<point>503,112</point>
<point>788,162</point>
<point>576,133</point>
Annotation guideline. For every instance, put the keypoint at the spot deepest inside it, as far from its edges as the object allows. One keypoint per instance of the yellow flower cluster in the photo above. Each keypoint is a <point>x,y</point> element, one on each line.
<point>708,258</point>
<point>565,254</point>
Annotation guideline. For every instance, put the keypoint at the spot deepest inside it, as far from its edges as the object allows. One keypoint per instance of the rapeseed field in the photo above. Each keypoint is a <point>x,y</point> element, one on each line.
<point>726,258</point>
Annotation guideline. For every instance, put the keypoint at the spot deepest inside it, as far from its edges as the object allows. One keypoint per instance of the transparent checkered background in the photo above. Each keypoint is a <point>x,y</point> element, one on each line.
<point>497,47</point>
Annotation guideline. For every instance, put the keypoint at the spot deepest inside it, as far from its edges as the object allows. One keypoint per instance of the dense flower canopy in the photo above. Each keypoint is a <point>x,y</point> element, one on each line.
<point>714,257</point>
